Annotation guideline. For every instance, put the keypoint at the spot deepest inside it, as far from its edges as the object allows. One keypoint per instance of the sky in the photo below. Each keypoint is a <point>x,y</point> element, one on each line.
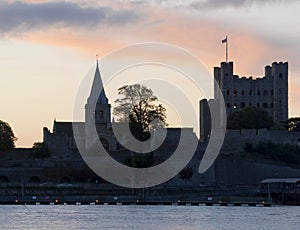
<point>47,47</point>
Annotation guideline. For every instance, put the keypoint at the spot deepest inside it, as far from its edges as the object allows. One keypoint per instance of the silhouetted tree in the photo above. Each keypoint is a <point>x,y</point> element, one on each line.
<point>140,160</point>
<point>7,137</point>
<point>138,106</point>
<point>250,118</point>
<point>186,174</point>
<point>40,150</point>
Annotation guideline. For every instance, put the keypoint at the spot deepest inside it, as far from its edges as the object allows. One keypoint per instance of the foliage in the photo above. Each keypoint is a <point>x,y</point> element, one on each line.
<point>138,106</point>
<point>7,137</point>
<point>294,124</point>
<point>186,174</point>
<point>250,118</point>
<point>279,152</point>
<point>139,160</point>
<point>40,150</point>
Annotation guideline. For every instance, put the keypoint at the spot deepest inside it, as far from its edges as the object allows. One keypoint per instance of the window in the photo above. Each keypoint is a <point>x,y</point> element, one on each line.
<point>257,105</point>
<point>243,92</point>
<point>104,143</point>
<point>250,92</point>
<point>242,105</point>
<point>228,105</point>
<point>228,92</point>
<point>101,114</point>
<point>234,92</point>
<point>280,75</point>
<point>258,92</point>
<point>272,92</point>
<point>265,105</point>
<point>265,92</point>
<point>272,105</point>
<point>250,104</point>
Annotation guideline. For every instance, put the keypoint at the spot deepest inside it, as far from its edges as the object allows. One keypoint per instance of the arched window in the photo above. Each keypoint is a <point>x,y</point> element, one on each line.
<point>242,92</point>
<point>3,179</point>
<point>265,92</point>
<point>104,143</point>
<point>65,180</point>
<point>258,92</point>
<point>34,179</point>
<point>101,113</point>
<point>242,105</point>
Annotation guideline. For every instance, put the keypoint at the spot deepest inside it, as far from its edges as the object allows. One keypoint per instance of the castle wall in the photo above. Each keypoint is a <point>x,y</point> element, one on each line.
<point>235,139</point>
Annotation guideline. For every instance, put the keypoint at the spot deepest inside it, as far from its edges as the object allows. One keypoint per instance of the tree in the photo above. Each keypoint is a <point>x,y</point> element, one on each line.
<point>40,150</point>
<point>7,137</point>
<point>138,106</point>
<point>186,174</point>
<point>139,160</point>
<point>250,118</point>
<point>294,124</point>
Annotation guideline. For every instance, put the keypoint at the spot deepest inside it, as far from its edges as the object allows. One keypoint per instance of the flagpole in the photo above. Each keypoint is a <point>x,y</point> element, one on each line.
<point>226,49</point>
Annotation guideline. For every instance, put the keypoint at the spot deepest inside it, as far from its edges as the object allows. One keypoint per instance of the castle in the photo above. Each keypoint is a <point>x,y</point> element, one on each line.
<point>269,92</point>
<point>67,165</point>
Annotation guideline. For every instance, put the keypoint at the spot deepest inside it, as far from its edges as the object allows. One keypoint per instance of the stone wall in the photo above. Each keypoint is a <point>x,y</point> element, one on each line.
<point>235,139</point>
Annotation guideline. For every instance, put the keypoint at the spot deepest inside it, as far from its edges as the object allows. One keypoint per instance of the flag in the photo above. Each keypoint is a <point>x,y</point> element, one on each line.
<point>224,40</point>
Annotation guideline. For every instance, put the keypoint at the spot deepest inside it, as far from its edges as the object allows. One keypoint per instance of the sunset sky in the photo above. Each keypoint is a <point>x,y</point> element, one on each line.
<point>47,47</point>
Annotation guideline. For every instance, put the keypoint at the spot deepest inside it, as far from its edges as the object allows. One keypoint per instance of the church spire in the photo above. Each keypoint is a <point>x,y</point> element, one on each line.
<point>98,85</point>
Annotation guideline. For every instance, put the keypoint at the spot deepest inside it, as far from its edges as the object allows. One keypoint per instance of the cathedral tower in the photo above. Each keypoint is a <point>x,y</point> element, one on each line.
<point>98,113</point>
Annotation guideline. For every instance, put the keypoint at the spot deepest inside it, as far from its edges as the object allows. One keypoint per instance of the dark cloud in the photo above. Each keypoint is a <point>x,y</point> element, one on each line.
<point>25,16</point>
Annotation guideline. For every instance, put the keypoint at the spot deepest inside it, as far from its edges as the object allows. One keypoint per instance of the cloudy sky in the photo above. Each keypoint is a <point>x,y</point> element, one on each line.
<point>48,46</point>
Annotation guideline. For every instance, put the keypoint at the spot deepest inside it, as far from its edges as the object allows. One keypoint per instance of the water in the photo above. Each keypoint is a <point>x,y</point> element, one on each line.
<point>148,217</point>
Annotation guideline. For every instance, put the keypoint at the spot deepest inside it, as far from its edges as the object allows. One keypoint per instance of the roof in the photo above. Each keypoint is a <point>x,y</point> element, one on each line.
<point>280,180</point>
<point>97,85</point>
<point>65,127</point>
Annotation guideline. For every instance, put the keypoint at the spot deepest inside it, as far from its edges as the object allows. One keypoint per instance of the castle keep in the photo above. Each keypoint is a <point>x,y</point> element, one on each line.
<point>269,92</point>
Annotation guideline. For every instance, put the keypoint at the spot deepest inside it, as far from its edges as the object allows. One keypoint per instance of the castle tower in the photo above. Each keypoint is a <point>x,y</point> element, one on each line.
<point>280,85</point>
<point>269,92</point>
<point>98,113</point>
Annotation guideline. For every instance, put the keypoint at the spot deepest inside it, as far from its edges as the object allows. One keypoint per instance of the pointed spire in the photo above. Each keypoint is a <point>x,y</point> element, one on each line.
<point>98,85</point>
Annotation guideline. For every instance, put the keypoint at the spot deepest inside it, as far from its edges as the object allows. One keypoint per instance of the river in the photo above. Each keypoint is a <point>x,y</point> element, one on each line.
<point>147,217</point>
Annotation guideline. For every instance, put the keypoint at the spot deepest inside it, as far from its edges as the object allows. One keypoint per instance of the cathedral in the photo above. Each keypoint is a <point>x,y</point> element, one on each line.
<point>97,113</point>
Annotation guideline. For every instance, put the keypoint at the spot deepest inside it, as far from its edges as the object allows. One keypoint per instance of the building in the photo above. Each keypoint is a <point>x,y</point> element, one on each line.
<point>269,92</point>
<point>97,112</point>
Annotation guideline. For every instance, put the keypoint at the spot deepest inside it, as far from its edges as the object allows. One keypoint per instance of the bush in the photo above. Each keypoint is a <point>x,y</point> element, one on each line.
<point>279,152</point>
<point>140,160</point>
